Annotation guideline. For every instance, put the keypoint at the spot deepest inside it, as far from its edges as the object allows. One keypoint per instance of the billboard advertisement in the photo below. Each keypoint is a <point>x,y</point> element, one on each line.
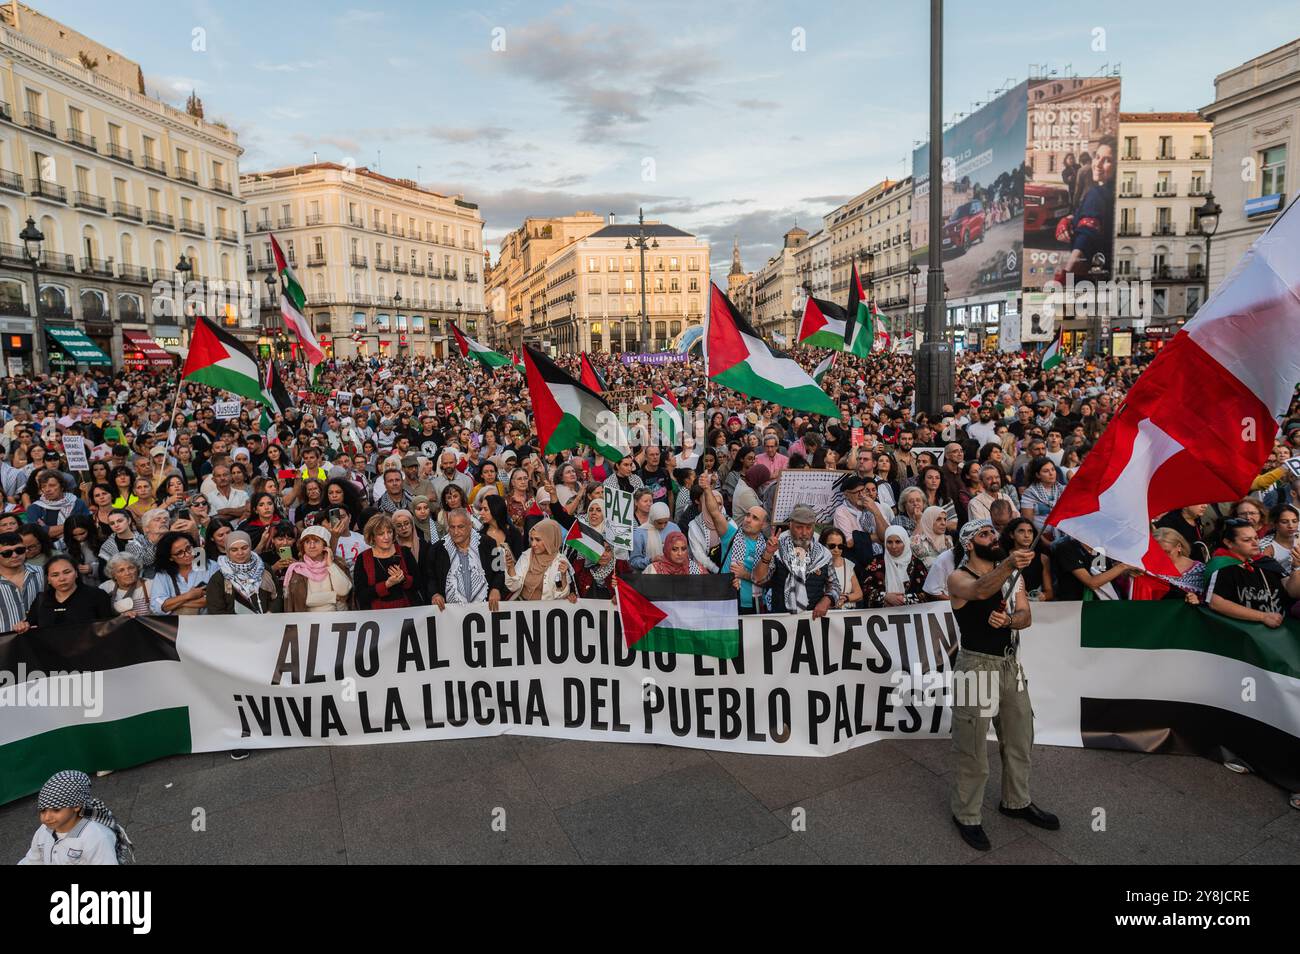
<point>1037,317</point>
<point>1069,189</point>
<point>983,185</point>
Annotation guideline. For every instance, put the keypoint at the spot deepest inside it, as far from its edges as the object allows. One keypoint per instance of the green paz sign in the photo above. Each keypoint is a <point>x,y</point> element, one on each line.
<point>618,518</point>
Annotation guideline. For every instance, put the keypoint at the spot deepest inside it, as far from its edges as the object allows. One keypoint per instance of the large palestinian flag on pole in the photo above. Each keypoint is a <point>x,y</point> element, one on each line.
<point>680,614</point>
<point>469,348</point>
<point>737,357</point>
<point>863,319</point>
<point>822,325</point>
<point>568,413</point>
<point>292,301</point>
<point>219,360</point>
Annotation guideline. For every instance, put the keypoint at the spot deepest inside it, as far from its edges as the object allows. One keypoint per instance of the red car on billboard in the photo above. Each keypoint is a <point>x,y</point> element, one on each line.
<point>964,227</point>
<point>1045,205</point>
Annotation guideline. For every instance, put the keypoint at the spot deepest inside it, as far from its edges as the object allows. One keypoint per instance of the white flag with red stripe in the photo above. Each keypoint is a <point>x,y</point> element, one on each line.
<point>1199,423</point>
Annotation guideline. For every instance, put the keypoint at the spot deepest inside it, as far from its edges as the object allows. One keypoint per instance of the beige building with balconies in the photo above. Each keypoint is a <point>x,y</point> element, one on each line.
<point>1256,116</point>
<point>873,228</point>
<point>812,265</point>
<point>120,185</point>
<point>515,284</point>
<point>384,263</point>
<point>1163,176</point>
<point>776,293</point>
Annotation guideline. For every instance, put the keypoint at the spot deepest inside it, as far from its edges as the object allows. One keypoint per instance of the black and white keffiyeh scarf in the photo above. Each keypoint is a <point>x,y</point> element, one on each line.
<point>802,563</point>
<point>465,566</point>
<point>71,789</point>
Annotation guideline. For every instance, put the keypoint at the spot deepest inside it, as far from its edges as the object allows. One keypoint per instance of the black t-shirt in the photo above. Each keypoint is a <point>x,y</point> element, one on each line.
<point>1071,556</point>
<point>86,605</point>
<point>1189,531</point>
<point>1256,587</point>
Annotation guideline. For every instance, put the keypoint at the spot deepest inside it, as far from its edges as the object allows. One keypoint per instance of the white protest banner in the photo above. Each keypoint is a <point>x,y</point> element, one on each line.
<point>618,518</point>
<point>816,488</point>
<point>1115,674</point>
<point>226,410</point>
<point>15,366</point>
<point>74,451</point>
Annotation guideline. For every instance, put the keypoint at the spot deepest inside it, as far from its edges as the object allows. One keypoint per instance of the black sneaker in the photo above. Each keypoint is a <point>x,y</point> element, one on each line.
<point>239,754</point>
<point>1032,814</point>
<point>973,835</point>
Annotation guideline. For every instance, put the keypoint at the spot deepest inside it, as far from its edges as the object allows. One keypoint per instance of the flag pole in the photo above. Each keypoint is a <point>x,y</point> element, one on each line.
<point>180,382</point>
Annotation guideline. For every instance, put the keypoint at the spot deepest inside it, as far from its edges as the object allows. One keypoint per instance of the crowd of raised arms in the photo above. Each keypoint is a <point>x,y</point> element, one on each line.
<point>412,483</point>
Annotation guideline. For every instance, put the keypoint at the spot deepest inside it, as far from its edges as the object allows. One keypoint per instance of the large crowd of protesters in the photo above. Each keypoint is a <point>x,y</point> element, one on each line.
<point>411,483</point>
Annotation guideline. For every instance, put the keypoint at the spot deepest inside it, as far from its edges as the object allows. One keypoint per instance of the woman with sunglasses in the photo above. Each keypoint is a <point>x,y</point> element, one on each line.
<point>66,600</point>
<point>180,584</point>
<point>843,569</point>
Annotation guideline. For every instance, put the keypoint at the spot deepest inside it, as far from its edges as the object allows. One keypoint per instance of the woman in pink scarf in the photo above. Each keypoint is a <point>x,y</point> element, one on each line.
<point>317,582</point>
<point>676,559</point>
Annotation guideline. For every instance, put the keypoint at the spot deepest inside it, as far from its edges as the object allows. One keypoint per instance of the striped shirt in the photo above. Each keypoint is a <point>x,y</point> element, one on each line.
<point>15,601</point>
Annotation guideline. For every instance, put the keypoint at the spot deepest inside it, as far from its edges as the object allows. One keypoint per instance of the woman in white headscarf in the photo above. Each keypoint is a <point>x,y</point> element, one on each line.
<point>648,539</point>
<point>242,583</point>
<point>931,536</point>
<point>896,577</point>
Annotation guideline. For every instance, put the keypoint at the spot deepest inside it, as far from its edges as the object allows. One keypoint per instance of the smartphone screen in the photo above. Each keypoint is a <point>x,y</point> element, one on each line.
<point>183,513</point>
<point>286,553</point>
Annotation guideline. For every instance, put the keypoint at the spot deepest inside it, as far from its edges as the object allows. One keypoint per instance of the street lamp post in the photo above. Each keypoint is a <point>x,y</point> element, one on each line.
<point>642,244</point>
<point>934,358</point>
<point>32,238</point>
<point>1209,211</point>
<point>913,273</point>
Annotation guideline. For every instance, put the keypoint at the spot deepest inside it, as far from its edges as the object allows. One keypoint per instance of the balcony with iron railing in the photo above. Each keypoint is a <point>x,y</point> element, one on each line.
<point>285,222</point>
<point>84,140</point>
<point>161,219</point>
<point>315,218</point>
<point>1168,190</point>
<point>1133,191</point>
<point>399,232</point>
<point>133,273</point>
<point>1129,230</point>
<point>359,261</point>
<point>315,261</point>
<point>417,268</point>
<point>1164,229</point>
<point>13,181</point>
<point>57,262</point>
<point>5,113</point>
<point>399,267</point>
<point>96,266</point>
<point>120,153</point>
<point>39,123</point>
<point>451,275</point>
<point>381,227</point>
<point>55,311</point>
<point>153,164</point>
<point>435,273</point>
<point>88,200</point>
<point>162,274</point>
<point>357,221</point>
<point>472,277</point>
<point>1178,273</point>
<point>185,175</point>
<point>383,266</point>
<point>192,227</point>
<point>49,190</point>
<point>225,235</point>
<point>221,185</point>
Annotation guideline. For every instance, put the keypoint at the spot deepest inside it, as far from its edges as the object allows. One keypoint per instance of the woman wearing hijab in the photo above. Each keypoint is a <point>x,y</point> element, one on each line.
<point>676,559</point>
<point>242,583</point>
<point>317,583</point>
<point>647,539</point>
<point>595,580</point>
<point>542,572</point>
<point>76,828</point>
<point>422,513</point>
<point>896,577</point>
<point>931,536</point>
<point>748,492</point>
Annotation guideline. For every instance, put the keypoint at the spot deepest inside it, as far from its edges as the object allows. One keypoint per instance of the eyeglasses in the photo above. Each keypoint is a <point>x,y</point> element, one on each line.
<point>834,546</point>
<point>13,552</point>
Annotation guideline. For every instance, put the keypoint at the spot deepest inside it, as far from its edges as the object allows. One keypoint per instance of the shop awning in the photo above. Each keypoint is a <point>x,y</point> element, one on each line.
<point>150,352</point>
<point>77,347</point>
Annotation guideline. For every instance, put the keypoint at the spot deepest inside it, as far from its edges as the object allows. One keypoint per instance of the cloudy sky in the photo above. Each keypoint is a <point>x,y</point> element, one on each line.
<point>724,118</point>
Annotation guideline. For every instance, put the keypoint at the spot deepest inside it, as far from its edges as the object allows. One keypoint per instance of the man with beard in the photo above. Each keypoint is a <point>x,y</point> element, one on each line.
<point>991,608</point>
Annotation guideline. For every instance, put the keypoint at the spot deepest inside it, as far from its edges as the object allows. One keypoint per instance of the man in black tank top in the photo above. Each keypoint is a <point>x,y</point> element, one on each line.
<point>989,684</point>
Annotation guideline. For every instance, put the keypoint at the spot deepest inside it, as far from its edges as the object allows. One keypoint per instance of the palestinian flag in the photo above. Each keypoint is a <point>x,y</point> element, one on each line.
<point>827,363</point>
<point>589,544</point>
<point>517,362</point>
<point>667,419</point>
<point>680,614</point>
<point>863,319</point>
<point>469,348</point>
<point>736,357</point>
<point>1161,676</point>
<point>292,301</point>
<point>219,360</point>
<point>1052,356</point>
<point>590,377</point>
<point>278,400</point>
<point>292,287</point>
<point>569,413</point>
<point>822,325</point>
<point>144,715</point>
